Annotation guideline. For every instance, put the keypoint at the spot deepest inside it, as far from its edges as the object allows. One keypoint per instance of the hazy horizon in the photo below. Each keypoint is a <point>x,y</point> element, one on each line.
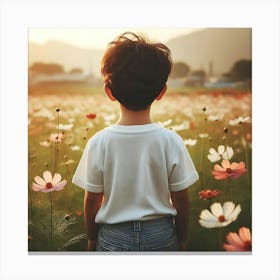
<point>99,38</point>
<point>218,47</point>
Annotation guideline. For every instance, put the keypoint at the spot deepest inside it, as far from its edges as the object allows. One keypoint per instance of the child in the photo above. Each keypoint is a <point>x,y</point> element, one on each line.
<point>131,171</point>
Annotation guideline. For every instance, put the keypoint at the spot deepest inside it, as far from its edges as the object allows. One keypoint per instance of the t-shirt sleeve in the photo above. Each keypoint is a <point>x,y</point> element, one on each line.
<point>89,175</point>
<point>182,170</point>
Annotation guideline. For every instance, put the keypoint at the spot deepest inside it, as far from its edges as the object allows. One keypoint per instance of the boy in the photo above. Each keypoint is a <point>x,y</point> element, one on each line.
<point>131,171</point>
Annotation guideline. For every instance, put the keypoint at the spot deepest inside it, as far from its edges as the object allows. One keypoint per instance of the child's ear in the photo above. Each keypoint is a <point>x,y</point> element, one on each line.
<point>109,92</point>
<point>162,92</point>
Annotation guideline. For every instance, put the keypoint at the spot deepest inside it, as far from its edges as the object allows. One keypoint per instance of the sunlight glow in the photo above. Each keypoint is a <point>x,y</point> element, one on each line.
<point>100,37</point>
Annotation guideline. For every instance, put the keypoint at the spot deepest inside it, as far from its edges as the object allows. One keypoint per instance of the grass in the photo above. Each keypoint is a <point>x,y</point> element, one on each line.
<point>182,106</point>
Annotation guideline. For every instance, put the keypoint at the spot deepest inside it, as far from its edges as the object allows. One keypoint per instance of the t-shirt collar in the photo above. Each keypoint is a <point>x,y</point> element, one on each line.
<point>133,128</point>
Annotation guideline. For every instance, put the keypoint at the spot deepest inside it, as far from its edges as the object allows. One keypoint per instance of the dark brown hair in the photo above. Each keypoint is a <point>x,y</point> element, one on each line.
<point>135,70</point>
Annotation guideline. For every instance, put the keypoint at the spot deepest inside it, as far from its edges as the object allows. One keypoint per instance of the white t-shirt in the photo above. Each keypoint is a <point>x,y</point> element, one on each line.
<point>136,167</point>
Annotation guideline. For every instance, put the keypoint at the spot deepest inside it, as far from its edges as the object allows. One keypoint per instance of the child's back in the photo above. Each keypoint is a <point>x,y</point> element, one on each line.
<point>135,167</point>
<point>132,171</point>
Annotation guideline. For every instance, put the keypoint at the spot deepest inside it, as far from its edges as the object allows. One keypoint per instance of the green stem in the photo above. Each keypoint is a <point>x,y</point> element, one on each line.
<point>246,148</point>
<point>67,191</point>
<point>31,204</point>
<point>202,163</point>
<point>227,179</point>
<point>56,146</point>
<point>55,157</point>
<point>225,140</point>
<point>220,239</point>
<point>30,229</point>
<point>230,189</point>
<point>51,207</point>
<point>247,163</point>
<point>226,189</point>
<point>202,154</point>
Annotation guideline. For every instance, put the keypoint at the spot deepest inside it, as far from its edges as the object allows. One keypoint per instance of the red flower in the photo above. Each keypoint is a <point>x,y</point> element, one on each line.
<point>228,169</point>
<point>78,213</point>
<point>208,194</point>
<point>91,116</point>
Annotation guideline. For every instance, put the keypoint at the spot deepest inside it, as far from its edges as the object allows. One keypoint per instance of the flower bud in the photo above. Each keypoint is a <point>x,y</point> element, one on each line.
<point>67,217</point>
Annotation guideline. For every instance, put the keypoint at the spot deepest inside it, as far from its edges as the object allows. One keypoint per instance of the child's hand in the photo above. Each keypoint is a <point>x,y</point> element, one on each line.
<point>91,245</point>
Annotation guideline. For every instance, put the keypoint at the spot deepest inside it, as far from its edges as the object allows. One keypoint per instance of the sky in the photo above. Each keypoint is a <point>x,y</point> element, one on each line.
<point>99,38</point>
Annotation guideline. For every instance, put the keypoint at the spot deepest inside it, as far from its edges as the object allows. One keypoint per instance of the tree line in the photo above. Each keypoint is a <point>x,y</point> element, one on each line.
<point>241,70</point>
<point>51,69</point>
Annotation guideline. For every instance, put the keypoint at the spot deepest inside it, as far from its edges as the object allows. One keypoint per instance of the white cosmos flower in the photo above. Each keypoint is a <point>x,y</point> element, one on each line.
<point>75,148</point>
<point>190,142</point>
<point>45,144</point>
<point>49,183</point>
<point>222,153</point>
<point>109,117</point>
<point>165,123</point>
<point>69,161</point>
<point>89,124</point>
<point>182,126</point>
<point>71,120</point>
<point>220,216</point>
<point>239,120</point>
<point>203,135</point>
<point>214,118</point>
<point>65,126</point>
<point>45,113</point>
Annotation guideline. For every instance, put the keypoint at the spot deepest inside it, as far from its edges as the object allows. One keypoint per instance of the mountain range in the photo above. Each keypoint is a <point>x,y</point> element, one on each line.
<point>220,47</point>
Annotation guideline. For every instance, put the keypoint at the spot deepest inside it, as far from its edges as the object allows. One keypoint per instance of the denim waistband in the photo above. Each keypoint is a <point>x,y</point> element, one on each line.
<point>139,225</point>
<point>158,234</point>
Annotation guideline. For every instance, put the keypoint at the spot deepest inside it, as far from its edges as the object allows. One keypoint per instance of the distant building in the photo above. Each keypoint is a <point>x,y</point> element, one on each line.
<point>221,82</point>
<point>194,81</point>
<point>176,82</point>
<point>35,78</point>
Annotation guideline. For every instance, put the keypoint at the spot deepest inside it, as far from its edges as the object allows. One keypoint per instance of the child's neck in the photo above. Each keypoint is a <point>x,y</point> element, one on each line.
<point>129,117</point>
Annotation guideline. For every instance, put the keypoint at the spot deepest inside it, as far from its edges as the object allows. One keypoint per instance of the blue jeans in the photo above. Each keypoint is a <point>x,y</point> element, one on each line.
<point>152,235</point>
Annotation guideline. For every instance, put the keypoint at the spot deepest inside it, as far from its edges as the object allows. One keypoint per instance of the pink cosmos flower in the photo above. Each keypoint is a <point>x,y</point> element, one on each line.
<point>239,242</point>
<point>228,169</point>
<point>49,183</point>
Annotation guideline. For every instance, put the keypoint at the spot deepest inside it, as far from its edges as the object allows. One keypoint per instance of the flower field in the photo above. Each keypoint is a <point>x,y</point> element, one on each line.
<point>215,125</point>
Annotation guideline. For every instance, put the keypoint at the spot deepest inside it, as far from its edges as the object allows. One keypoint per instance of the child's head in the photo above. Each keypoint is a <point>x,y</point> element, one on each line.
<point>135,70</point>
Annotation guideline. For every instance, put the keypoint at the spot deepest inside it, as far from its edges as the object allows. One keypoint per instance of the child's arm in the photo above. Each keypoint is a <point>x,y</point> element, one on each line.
<point>180,201</point>
<point>92,203</point>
